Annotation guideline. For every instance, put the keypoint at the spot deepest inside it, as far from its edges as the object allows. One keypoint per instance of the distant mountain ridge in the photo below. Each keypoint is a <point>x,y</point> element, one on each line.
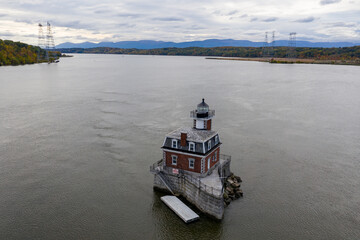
<point>151,44</point>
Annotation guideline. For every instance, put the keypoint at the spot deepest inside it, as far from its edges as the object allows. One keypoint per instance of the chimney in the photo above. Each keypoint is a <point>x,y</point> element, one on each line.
<point>208,124</point>
<point>183,139</point>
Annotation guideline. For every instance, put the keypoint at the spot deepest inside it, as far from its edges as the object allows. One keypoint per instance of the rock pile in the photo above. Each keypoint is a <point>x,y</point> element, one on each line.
<point>232,189</point>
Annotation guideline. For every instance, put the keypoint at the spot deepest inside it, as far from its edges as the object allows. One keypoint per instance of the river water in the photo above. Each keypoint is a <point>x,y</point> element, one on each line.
<point>77,139</point>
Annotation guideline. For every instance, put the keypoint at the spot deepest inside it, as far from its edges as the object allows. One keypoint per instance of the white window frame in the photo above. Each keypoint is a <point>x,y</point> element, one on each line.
<point>191,146</point>
<point>191,160</point>
<point>216,140</point>
<point>174,160</point>
<point>209,144</point>
<point>174,143</point>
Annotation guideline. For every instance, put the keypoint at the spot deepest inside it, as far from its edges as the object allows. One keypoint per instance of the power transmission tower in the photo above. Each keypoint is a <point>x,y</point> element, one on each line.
<point>265,51</point>
<point>49,38</point>
<point>292,45</point>
<point>50,45</point>
<point>46,42</point>
<point>41,40</point>
<point>272,45</point>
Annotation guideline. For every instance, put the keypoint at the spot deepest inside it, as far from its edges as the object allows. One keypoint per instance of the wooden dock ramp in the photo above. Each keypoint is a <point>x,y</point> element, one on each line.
<point>183,211</point>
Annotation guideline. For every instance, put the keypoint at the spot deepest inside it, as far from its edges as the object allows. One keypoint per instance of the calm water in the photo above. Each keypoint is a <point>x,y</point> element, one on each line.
<point>77,139</point>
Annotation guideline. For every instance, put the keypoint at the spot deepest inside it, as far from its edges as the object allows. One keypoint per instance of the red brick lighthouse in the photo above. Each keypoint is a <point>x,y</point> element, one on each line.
<point>193,149</point>
<point>192,166</point>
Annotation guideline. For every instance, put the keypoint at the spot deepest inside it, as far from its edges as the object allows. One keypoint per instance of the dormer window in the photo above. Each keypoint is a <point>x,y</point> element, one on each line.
<point>174,143</point>
<point>191,146</point>
<point>216,140</point>
<point>209,144</point>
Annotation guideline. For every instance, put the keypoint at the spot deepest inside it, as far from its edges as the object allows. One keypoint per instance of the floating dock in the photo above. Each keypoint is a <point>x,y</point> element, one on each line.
<point>183,211</point>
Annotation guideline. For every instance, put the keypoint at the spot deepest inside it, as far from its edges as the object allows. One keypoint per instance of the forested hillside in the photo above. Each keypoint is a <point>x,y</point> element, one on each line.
<point>345,53</point>
<point>18,53</point>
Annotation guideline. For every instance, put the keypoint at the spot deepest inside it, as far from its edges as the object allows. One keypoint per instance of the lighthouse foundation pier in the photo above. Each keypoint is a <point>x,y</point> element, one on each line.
<point>204,192</point>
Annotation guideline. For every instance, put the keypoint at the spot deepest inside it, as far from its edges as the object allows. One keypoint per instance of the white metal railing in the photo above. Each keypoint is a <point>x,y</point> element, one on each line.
<point>193,114</point>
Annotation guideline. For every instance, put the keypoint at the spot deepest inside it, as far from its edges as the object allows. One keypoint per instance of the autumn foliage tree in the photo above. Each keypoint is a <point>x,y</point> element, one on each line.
<point>17,53</point>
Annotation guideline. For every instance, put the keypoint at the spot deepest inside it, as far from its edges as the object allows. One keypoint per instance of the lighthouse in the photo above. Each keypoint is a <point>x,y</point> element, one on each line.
<point>192,166</point>
<point>194,149</point>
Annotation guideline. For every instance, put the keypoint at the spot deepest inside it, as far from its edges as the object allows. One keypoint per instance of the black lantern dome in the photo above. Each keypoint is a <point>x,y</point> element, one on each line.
<point>202,109</point>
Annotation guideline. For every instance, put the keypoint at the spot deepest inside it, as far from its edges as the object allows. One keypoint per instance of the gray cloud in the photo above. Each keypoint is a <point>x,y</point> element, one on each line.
<point>232,12</point>
<point>195,27</point>
<point>341,24</point>
<point>225,13</point>
<point>129,15</point>
<point>217,12</point>
<point>79,37</point>
<point>305,20</point>
<point>6,34</point>
<point>271,19</point>
<point>326,2</point>
<point>168,19</point>
<point>126,25</point>
<point>24,21</point>
<point>72,24</point>
<point>31,35</point>
<point>101,11</point>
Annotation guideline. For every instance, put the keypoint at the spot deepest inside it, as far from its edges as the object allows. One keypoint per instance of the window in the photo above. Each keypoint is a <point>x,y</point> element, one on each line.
<point>191,163</point>
<point>209,144</point>
<point>192,146</point>
<point>213,158</point>
<point>216,156</point>
<point>174,143</point>
<point>173,160</point>
<point>216,140</point>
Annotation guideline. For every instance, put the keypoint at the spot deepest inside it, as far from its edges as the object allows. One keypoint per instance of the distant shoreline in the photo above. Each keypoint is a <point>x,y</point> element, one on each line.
<point>291,60</point>
<point>338,56</point>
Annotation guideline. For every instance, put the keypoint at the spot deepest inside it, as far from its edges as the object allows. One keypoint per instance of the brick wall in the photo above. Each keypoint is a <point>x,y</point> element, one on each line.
<point>183,161</point>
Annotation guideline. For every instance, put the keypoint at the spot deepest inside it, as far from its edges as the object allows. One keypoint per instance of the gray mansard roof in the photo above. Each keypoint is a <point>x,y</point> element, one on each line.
<point>193,134</point>
<point>200,138</point>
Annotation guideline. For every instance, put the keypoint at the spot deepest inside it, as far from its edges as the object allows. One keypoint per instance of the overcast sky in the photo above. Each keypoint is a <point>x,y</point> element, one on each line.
<point>182,20</point>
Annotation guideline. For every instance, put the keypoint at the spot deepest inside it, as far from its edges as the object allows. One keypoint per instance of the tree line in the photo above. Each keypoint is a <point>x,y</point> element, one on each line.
<point>18,53</point>
<point>345,53</point>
